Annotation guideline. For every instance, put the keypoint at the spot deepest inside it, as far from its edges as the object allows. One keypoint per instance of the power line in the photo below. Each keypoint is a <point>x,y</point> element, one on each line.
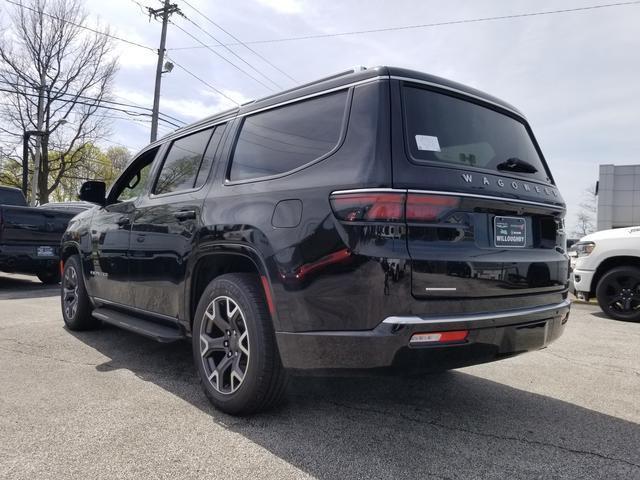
<point>222,57</point>
<point>202,81</point>
<point>115,37</point>
<point>240,42</point>
<point>231,51</point>
<point>95,105</point>
<point>424,25</point>
<point>131,43</point>
<point>98,100</point>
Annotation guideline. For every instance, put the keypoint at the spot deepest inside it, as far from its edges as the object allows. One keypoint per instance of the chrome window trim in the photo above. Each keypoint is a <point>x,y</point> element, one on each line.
<point>455,194</point>
<point>315,94</point>
<point>416,320</point>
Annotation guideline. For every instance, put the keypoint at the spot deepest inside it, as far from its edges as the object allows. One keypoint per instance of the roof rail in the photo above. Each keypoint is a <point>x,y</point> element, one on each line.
<point>356,69</point>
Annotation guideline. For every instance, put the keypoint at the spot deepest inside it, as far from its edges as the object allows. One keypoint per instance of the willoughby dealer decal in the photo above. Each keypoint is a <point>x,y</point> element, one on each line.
<point>502,183</point>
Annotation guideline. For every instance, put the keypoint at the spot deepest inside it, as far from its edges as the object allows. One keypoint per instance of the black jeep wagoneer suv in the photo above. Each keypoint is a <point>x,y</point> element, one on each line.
<point>381,219</point>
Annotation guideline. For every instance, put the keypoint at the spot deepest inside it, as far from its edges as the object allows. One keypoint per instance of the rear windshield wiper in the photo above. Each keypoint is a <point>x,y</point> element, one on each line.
<point>515,164</point>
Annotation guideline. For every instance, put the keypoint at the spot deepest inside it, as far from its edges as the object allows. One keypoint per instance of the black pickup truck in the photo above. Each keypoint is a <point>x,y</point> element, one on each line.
<point>30,236</point>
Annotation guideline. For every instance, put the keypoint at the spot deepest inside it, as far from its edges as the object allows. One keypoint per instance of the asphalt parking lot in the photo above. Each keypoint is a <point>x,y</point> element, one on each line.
<point>109,404</point>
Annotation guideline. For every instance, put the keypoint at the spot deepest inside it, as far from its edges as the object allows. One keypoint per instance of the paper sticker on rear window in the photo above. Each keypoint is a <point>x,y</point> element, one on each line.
<point>428,143</point>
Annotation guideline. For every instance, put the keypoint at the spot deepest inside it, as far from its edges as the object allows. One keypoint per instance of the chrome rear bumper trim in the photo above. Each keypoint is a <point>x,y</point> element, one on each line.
<point>415,320</point>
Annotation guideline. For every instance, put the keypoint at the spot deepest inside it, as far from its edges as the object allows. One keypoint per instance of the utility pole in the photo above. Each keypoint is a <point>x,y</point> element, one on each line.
<point>163,12</point>
<point>39,124</point>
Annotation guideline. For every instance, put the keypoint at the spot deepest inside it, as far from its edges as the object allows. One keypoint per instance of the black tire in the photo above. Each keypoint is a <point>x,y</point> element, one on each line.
<point>264,380</point>
<point>618,293</point>
<point>72,286</point>
<point>49,278</point>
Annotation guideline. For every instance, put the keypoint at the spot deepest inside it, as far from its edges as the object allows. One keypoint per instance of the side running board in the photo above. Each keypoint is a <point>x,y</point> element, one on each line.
<point>157,332</point>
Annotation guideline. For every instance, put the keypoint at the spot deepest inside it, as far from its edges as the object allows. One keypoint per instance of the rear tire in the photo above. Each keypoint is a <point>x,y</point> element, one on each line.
<point>618,293</point>
<point>76,306</point>
<point>49,278</point>
<point>234,346</point>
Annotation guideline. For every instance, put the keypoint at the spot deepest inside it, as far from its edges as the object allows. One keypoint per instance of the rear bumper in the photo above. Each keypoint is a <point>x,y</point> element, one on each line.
<point>492,336</point>
<point>25,259</point>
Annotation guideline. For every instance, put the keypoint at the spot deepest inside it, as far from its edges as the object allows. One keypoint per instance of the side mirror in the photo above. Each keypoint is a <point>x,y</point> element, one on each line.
<point>94,192</point>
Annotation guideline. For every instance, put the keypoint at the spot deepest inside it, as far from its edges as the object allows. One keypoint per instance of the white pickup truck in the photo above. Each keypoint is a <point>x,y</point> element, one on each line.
<point>608,267</point>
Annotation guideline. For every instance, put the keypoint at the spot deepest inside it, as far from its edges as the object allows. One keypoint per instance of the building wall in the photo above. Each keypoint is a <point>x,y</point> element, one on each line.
<point>618,196</point>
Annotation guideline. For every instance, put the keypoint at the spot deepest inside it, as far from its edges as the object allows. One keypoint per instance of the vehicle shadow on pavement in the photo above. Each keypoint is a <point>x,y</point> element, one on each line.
<point>12,288</point>
<point>451,425</point>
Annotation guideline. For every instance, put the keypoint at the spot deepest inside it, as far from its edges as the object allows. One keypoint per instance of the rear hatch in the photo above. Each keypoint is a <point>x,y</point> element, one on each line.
<point>483,215</point>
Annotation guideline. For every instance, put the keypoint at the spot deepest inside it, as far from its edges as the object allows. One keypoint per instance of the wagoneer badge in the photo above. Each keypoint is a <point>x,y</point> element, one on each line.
<point>467,177</point>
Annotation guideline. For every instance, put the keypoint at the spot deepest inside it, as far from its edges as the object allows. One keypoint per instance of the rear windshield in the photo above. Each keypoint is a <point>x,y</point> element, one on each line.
<point>446,129</point>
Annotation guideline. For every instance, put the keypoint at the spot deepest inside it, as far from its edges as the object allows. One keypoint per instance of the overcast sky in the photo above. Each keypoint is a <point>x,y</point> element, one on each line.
<point>576,76</point>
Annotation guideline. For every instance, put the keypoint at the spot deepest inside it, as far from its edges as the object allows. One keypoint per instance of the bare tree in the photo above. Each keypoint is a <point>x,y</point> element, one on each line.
<point>585,219</point>
<point>56,74</point>
<point>584,225</point>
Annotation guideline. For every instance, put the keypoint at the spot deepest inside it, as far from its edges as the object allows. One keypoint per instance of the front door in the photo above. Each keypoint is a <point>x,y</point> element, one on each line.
<point>108,277</point>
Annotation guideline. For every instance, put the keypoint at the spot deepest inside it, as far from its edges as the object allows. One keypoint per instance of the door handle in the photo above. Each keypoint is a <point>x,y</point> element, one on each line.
<point>123,221</point>
<point>185,215</point>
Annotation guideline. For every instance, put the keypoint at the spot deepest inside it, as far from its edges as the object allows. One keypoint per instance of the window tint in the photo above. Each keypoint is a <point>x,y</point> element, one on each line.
<point>288,137</point>
<point>181,165</point>
<point>207,160</point>
<point>133,180</point>
<point>442,128</point>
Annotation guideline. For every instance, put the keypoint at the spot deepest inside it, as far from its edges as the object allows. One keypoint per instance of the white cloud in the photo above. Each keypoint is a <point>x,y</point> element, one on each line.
<point>284,6</point>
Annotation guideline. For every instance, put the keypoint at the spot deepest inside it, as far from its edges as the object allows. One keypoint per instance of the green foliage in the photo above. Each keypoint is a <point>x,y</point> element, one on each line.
<point>87,162</point>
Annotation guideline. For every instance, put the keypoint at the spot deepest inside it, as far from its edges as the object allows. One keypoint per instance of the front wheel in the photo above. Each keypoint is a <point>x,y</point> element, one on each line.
<point>618,293</point>
<point>234,346</point>
<point>76,306</point>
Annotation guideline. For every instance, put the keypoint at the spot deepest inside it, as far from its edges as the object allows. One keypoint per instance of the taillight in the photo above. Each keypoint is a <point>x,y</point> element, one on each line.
<point>429,208</point>
<point>391,206</point>
<point>363,207</point>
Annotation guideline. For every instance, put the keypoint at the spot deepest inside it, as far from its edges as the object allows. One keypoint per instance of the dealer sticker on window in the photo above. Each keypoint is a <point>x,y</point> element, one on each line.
<point>427,143</point>
<point>510,232</point>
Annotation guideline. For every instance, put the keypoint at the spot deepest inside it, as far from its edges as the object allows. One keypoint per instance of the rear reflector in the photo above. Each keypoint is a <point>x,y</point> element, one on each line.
<point>456,336</point>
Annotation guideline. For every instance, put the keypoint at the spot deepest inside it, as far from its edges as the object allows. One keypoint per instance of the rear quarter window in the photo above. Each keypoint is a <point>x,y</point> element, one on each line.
<point>285,138</point>
<point>445,129</point>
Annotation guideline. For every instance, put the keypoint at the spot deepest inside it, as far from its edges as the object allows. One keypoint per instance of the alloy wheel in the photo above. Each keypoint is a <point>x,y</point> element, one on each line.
<point>622,294</point>
<point>224,345</point>
<point>70,292</point>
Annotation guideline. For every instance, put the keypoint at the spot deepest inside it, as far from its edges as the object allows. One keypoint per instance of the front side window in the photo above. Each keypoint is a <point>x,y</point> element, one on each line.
<point>445,129</point>
<point>133,181</point>
<point>288,137</point>
<point>182,163</point>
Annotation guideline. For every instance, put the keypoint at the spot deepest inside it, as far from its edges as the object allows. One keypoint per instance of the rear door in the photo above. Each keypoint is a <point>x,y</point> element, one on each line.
<point>483,215</point>
<point>167,220</point>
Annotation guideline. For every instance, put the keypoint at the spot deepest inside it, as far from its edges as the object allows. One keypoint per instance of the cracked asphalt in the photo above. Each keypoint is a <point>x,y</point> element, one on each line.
<point>109,404</point>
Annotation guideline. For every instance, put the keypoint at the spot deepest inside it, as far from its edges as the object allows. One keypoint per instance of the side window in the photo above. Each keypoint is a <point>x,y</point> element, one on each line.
<point>288,137</point>
<point>207,160</point>
<point>134,179</point>
<point>182,163</point>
